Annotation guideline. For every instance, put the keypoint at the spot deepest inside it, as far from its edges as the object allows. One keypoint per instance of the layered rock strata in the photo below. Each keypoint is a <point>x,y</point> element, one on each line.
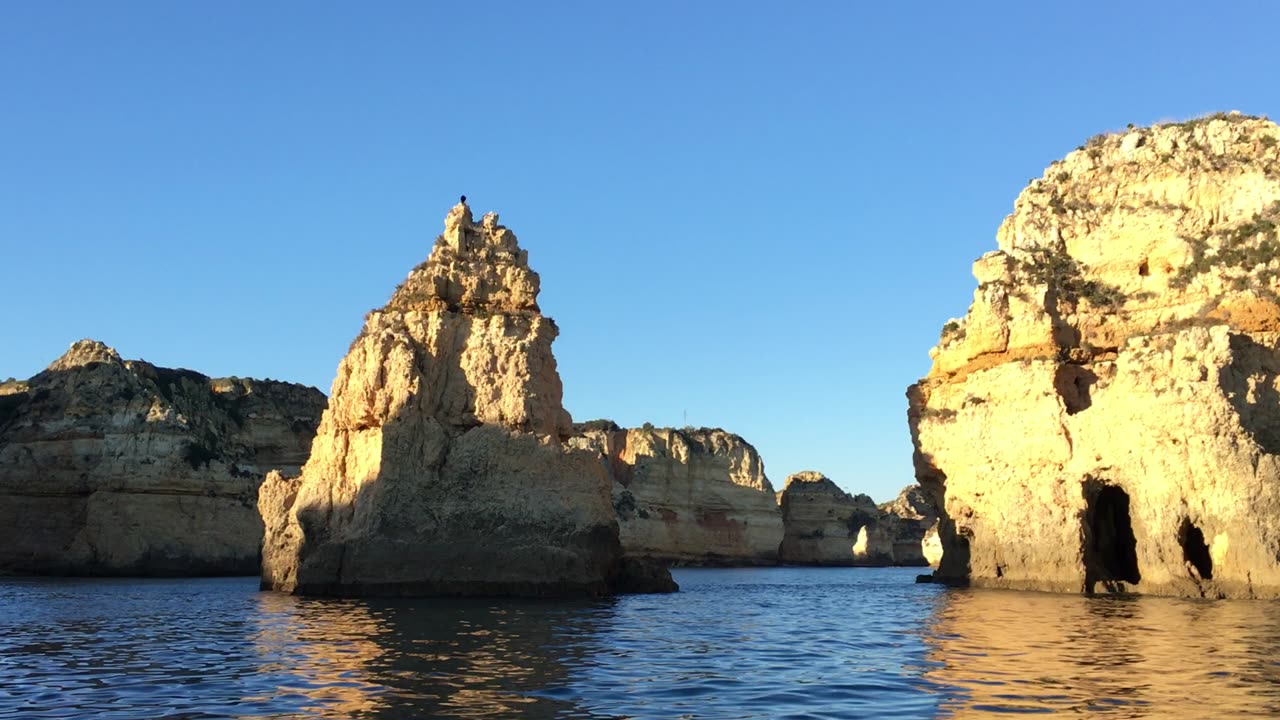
<point>119,467</point>
<point>1106,417</point>
<point>688,497</point>
<point>439,466</point>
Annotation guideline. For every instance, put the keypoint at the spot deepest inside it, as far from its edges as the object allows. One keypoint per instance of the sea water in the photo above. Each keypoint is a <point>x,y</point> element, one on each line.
<point>749,643</point>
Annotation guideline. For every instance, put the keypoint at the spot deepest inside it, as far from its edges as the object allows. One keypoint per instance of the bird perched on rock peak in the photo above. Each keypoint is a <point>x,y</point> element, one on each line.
<point>463,200</point>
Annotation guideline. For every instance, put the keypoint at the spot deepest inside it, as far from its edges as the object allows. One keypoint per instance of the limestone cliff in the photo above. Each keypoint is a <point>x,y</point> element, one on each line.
<point>688,497</point>
<point>439,466</point>
<point>1107,414</point>
<point>826,525</point>
<point>119,467</point>
<point>905,528</point>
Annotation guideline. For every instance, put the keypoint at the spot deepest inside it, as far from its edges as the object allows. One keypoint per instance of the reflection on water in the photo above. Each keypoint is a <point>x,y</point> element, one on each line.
<point>1118,657</point>
<point>759,643</point>
<point>414,658</point>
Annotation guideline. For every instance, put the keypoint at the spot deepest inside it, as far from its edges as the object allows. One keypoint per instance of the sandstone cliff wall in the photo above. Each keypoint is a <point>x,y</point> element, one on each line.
<point>688,497</point>
<point>118,467</point>
<point>1107,414</point>
<point>439,466</point>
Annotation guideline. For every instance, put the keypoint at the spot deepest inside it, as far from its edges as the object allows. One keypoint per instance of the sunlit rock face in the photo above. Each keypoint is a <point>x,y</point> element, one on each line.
<point>119,467</point>
<point>439,466</point>
<point>1106,416</point>
<point>697,496</point>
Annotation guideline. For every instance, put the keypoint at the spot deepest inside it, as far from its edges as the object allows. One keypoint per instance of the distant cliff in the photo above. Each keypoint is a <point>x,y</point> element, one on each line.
<point>119,467</point>
<point>827,526</point>
<point>906,529</point>
<point>689,497</point>
<point>1106,416</point>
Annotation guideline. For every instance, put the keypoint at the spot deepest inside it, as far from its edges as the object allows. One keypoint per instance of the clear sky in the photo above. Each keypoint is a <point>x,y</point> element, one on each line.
<point>748,215</point>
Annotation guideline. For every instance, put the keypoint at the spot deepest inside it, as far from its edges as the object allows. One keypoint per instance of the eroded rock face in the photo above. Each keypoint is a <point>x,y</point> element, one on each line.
<point>905,527</point>
<point>439,466</point>
<point>1107,414</point>
<point>826,525</point>
<point>118,467</point>
<point>688,497</point>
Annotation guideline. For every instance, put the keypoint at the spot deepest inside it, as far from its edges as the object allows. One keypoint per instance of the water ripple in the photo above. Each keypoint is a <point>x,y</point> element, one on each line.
<point>757,643</point>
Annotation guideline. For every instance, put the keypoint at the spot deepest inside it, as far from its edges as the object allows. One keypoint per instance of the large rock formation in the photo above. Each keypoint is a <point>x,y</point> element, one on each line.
<point>439,466</point>
<point>906,527</point>
<point>1107,414</point>
<point>119,467</point>
<point>827,526</point>
<point>688,497</point>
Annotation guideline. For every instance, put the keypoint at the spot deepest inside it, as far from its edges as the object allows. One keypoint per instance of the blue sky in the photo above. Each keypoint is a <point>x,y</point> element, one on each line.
<point>755,216</point>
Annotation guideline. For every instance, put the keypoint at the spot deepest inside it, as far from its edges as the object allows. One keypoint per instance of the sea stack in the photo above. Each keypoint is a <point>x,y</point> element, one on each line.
<point>119,467</point>
<point>1106,417</point>
<point>826,525</point>
<point>696,496</point>
<point>439,467</point>
<point>906,529</point>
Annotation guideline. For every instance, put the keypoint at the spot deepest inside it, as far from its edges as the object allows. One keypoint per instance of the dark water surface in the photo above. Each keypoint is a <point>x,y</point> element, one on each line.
<point>760,643</point>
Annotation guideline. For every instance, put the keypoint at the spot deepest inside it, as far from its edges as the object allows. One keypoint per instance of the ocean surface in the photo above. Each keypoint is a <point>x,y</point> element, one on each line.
<point>752,643</point>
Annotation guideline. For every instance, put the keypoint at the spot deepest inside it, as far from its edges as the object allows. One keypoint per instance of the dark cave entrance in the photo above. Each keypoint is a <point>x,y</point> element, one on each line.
<point>1111,550</point>
<point>1073,384</point>
<point>1194,549</point>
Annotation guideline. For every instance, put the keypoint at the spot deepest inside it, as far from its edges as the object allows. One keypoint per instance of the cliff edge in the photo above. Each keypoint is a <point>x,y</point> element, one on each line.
<point>1106,416</point>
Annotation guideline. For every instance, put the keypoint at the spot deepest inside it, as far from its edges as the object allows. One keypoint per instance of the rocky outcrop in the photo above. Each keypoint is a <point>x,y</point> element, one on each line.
<point>688,497</point>
<point>906,528</point>
<point>1106,417</point>
<point>826,525</point>
<point>119,467</point>
<point>439,466</point>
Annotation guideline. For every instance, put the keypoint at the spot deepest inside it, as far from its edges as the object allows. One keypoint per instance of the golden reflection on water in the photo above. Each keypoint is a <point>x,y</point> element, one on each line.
<point>321,650</point>
<point>997,652</point>
<point>461,659</point>
<point>975,653</point>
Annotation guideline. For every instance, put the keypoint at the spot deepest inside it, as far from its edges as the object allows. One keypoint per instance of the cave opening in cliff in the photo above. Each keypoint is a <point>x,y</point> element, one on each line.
<point>1194,549</point>
<point>1074,384</point>
<point>1111,550</point>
